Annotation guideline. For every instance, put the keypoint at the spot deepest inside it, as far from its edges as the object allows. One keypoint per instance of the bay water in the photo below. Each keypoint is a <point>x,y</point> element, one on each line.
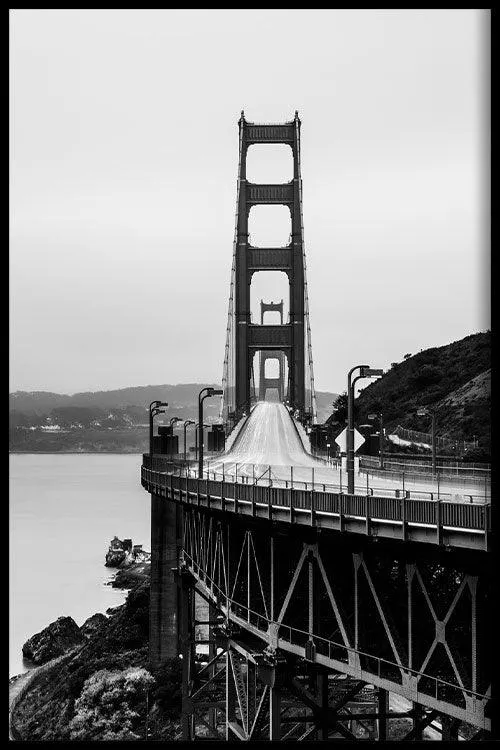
<point>63,512</point>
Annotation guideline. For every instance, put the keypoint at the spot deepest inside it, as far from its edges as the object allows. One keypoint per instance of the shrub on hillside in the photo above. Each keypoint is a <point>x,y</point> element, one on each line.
<point>112,706</point>
<point>167,690</point>
<point>426,376</point>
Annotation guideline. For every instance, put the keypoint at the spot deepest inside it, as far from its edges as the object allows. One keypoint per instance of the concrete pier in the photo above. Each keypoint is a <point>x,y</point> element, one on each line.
<point>166,540</point>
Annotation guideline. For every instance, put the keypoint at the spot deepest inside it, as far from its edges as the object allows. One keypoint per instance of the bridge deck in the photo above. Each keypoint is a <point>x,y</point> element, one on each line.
<point>443,523</point>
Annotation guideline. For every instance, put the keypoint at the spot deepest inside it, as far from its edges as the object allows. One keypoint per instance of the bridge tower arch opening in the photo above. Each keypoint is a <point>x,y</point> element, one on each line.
<point>243,335</point>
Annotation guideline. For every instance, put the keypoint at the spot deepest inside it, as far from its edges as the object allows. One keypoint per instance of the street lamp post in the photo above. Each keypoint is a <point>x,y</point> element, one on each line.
<point>425,412</point>
<point>380,418</point>
<point>196,438</point>
<point>155,407</point>
<point>173,421</point>
<point>365,371</point>
<point>203,394</point>
<point>188,421</point>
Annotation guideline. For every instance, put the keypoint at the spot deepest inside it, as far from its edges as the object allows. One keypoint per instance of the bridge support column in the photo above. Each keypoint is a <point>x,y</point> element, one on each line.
<point>449,729</point>
<point>418,723</point>
<point>382,710</point>
<point>187,619</point>
<point>322,692</point>
<point>166,540</point>
<point>274,713</point>
<point>212,653</point>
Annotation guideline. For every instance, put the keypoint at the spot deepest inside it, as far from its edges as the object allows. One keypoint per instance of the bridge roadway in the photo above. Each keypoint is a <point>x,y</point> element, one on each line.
<point>267,473</point>
<point>270,439</point>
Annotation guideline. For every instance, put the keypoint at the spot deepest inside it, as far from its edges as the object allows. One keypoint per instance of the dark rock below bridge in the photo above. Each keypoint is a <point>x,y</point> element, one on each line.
<point>93,625</point>
<point>53,641</point>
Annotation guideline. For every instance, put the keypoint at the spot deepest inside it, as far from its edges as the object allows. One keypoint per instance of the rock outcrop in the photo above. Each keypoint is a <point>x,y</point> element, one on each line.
<point>93,625</point>
<point>53,641</point>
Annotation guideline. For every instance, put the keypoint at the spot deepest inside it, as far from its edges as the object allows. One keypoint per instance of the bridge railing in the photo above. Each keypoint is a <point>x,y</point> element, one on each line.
<point>407,474</point>
<point>437,513</point>
<point>423,465</point>
<point>268,478</point>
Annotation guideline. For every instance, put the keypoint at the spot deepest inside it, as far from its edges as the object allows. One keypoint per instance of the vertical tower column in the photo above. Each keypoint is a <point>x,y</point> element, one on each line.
<point>242,285</point>
<point>297,282</point>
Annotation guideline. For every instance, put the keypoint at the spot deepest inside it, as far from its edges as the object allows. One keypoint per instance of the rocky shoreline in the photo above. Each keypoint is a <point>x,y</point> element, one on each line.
<point>110,651</point>
<point>132,565</point>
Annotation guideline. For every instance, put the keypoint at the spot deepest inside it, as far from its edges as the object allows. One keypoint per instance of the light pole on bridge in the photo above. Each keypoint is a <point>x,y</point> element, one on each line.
<point>196,437</point>
<point>203,394</point>
<point>173,421</point>
<point>365,371</point>
<point>186,423</point>
<point>155,407</point>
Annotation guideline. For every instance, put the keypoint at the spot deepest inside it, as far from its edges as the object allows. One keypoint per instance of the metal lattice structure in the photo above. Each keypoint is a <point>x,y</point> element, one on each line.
<point>306,618</point>
<point>243,338</point>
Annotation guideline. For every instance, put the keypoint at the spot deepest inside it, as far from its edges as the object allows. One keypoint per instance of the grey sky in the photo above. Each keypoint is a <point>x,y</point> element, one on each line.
<point>123,182</point>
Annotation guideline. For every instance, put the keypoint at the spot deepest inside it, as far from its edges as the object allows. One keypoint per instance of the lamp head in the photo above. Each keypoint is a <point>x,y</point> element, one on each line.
<point>213,392</point>
<point>422,412</point>
<point>370,372</point>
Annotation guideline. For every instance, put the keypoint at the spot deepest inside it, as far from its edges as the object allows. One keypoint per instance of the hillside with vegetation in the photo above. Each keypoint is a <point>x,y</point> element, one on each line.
<point>454,381</point>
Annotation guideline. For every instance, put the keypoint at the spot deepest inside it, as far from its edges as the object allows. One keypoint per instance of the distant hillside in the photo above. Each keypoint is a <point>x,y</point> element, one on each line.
<point>324,402</point>
<point>40,402</point>
<point>104,421</point>
<point>454,380</point>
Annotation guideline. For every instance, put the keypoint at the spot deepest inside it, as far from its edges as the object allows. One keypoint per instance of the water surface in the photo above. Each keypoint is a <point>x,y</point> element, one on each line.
<point>64,510</point>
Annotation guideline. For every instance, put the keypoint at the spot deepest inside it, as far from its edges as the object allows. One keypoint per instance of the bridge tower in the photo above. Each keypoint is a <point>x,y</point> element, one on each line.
<point>244,338</point>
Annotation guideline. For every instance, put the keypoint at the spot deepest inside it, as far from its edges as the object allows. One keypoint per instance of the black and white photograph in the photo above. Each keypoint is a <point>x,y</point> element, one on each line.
<point>249,300</point>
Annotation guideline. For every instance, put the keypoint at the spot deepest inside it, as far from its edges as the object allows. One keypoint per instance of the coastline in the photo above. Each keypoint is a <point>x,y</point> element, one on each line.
<point>20,684</point>
<point>74,453</point>
<point>126,578</point>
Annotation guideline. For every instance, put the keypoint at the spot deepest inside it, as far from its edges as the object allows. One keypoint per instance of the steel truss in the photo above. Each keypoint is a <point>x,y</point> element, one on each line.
<point>308,638</point>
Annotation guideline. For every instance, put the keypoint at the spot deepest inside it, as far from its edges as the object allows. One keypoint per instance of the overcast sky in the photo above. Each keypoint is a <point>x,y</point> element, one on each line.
<point>124,151</point>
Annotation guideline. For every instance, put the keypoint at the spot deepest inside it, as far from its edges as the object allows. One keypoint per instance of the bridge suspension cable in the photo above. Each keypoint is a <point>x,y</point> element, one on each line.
<point>309,368</point>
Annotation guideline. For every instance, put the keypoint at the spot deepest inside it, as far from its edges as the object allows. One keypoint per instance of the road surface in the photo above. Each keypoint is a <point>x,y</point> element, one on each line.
<point>269,446</point>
